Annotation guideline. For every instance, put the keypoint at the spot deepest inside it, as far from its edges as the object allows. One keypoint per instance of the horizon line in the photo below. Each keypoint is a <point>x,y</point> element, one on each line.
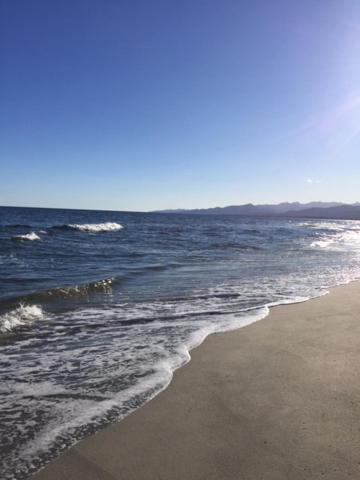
<point>179,208</point>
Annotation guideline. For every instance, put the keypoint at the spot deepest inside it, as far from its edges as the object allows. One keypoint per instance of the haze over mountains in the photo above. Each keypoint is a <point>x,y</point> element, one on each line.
<point>335,210</point>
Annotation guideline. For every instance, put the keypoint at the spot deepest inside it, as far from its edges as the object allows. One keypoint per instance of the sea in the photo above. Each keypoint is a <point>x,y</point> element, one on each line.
<point>98,308</point>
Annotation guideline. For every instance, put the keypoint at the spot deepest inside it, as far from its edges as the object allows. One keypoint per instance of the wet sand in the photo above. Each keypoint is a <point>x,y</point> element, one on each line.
<point>277,400</point>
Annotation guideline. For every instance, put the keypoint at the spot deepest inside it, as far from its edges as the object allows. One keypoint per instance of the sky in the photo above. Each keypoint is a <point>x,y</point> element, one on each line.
<point>142,105</point>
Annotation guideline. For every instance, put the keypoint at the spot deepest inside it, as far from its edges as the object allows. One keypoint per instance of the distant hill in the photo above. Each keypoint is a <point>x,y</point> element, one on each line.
<point>286,209</point>
<point>343,212</point>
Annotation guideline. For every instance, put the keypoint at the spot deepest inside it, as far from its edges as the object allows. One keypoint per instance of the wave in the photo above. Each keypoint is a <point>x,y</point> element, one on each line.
<point>105,286</point>
<point>343,239</point>
<point>16,225</point>
<point>81,227</point>
<point>27,236</point>
<point>22,315</point>
<point>93,227</point>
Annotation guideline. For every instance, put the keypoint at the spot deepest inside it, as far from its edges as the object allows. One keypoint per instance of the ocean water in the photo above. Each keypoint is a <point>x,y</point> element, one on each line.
<point>97,309</point>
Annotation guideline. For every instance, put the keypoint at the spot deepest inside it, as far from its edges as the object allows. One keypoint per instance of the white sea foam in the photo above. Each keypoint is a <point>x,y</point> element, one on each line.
<point>343,238</point>
<point>74,413</point>
<point>96,227</point>
<point>27,236</point>
<point>22,315</point>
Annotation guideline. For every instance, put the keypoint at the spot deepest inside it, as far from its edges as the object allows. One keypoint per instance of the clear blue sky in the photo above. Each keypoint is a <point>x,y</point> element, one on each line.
<point>138,105</point>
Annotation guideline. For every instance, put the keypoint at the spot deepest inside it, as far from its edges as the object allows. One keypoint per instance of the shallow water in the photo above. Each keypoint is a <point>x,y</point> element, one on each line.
<point>98,308</point>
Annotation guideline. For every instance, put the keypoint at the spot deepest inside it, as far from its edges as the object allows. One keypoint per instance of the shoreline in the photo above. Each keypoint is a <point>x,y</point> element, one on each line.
<point>235,410</point>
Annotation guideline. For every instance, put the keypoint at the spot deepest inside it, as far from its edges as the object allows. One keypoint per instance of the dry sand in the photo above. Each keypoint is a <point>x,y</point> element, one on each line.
<point>279,399</point>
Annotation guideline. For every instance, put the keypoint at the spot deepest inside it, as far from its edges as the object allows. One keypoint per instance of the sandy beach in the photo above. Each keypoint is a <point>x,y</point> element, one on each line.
<point>279,399</point>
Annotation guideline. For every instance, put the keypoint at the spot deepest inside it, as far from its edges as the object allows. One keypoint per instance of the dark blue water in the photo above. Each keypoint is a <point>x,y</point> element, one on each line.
<point>98,308</point>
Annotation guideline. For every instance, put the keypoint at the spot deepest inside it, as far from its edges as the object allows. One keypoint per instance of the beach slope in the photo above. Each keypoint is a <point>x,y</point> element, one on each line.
<point>279,399</point>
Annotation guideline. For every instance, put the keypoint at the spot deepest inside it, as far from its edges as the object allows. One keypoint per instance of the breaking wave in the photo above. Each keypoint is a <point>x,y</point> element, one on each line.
<point>338,237</point>
<point>27,236</point>
<point>104,285</point>
<point>95,227</point>
<point>22,315</point>
<point>70,291</point>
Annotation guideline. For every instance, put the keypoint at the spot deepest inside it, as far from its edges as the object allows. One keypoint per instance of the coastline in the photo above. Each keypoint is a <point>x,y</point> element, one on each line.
<point>276,399</point>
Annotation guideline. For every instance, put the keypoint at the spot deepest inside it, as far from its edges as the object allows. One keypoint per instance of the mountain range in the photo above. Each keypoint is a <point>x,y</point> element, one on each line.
<point>335,210</point>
